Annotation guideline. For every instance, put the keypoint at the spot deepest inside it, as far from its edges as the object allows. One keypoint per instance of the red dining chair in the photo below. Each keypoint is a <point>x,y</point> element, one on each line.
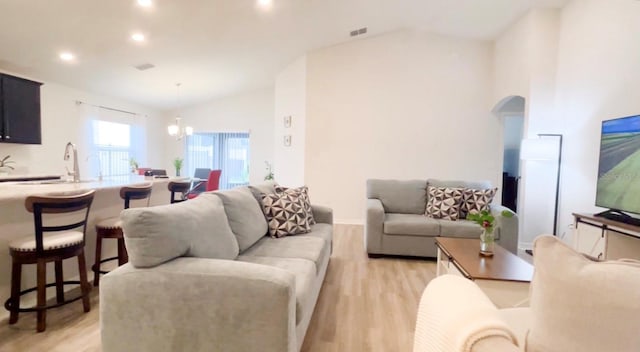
<point>212,184</point>
<point>141,170</point>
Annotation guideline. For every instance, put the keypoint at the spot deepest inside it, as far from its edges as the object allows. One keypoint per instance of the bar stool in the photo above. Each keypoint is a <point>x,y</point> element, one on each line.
<point>41,249</point>
<point>112,228</point>
<point>178,187</point>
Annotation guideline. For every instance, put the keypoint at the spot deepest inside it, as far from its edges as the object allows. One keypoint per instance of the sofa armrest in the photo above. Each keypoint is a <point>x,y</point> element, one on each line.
<point>196,304</point>
<point>322,214</point>
<point>374,226</point>
<point>454,315</point>
<point>507,227</point>
<point>495,344</point>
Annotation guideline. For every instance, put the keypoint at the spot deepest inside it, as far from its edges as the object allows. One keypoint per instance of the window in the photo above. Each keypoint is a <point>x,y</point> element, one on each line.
<point>112,146</point>
<point>228,152</point>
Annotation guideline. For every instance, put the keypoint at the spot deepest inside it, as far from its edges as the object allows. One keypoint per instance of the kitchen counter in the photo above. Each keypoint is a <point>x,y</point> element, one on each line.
<point>21,190</point>
<point>16,221</point>
<point>10,178</point>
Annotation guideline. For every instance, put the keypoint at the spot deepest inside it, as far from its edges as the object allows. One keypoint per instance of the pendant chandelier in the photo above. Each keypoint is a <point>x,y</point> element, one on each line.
<point>176,130</point>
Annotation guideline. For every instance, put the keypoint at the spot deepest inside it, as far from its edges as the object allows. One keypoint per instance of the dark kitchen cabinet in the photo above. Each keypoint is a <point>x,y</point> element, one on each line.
<point>19,110</point>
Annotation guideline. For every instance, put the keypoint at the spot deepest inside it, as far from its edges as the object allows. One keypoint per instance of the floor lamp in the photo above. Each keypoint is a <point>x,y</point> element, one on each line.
<point>545,149</point>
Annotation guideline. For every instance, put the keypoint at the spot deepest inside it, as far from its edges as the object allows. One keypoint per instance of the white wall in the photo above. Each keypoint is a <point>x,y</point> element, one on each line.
<point>290,100</point>
<point>251,111</point>
<point>61,123</point>
<point>402,105</point>
<point>525,57</point>
<point>598,78</point>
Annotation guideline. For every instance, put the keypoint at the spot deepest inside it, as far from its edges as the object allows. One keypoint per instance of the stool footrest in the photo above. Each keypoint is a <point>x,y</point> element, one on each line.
<point>8,304</point>
<point>95,268</point>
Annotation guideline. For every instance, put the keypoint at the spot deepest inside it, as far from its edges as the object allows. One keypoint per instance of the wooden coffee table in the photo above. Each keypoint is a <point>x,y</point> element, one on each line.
<point>505,277</point>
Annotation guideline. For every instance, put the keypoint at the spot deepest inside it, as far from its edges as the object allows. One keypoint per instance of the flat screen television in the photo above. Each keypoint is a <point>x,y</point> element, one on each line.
<point>619,167</point>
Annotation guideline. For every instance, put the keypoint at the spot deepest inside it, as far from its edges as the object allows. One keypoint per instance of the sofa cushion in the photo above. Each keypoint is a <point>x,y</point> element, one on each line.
<point>245,215</point>
<point>443,202</point>
<point>304,271</point>
<point>286,213</point>
<point>476,200</point>
<point>582,305</point>
<point>460,228</point>
<point>301,246</point>
<point>303,193</point>
<point>399,196</point>
<point>321,230</point>
<point>197,228</point>
<point>410,224</point>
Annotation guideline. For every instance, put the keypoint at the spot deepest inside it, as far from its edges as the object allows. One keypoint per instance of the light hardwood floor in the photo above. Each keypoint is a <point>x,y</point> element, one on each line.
<point>365,305</point>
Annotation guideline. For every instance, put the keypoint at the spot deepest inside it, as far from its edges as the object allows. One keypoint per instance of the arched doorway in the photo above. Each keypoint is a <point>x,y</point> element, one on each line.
<point>510,110</point>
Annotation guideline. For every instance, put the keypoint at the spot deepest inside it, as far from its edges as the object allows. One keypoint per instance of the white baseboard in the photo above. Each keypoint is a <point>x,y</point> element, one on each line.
<point>526,245</point>
<point>348,221</point>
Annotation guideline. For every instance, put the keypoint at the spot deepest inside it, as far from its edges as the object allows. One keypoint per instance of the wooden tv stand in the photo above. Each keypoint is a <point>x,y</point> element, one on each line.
<point>604,238</point>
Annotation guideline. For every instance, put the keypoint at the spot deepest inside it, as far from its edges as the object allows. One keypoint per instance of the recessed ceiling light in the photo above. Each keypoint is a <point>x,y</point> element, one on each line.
<point>138,37</point>
<point>67,56</point>
<point>265,3</point>
<point>145,3</point>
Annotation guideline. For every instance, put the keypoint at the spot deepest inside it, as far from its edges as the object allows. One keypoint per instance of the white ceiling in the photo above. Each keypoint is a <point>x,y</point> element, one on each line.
<point>213,47</point>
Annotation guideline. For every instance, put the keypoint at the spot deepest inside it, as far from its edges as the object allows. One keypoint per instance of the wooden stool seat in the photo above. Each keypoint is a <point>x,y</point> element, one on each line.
<point>110,224</point>
<point>112,228</point>
<point>54,241</point>
<point>58,244</point>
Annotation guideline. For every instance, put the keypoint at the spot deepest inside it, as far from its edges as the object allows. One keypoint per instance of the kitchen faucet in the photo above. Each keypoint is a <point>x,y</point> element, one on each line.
<point>76,170</point>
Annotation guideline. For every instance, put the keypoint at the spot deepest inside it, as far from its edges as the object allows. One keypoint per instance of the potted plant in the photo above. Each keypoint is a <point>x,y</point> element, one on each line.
<point>269,175</point>
<point>177,163</point>
<point>487,221</point>
<point>133,164</point>
<point>5,165</point>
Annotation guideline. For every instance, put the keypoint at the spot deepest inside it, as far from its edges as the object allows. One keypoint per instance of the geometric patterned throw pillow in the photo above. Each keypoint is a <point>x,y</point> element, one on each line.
<point>476,200</point>
<point>302,192</point>
<point>443,202</point>
<point>285,213</point>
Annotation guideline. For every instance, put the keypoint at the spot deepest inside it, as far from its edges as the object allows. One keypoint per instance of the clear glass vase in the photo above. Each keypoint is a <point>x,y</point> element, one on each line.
<point>487,242</point>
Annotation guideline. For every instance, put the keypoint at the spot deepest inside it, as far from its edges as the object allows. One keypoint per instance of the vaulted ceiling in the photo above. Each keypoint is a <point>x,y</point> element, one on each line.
<point>213,47</point>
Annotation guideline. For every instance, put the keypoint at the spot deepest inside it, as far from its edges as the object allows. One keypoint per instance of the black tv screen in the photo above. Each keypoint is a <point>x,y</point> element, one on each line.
<point>619,167</point>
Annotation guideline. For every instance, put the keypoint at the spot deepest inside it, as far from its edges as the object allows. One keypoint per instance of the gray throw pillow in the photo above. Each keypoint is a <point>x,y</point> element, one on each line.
<point>195,228</point>
<point>265,187</point>
<point>245,216</point>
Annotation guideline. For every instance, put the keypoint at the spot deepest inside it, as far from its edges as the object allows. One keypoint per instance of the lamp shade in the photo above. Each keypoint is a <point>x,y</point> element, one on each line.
<point>173,130</point>
<point>542,149</point>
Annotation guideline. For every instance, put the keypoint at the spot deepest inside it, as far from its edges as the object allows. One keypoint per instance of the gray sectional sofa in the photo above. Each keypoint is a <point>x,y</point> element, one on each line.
<point>203,276</point>
<point>396,224</point>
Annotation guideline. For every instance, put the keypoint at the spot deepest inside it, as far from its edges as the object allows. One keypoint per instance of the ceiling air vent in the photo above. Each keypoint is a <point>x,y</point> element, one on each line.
<point>357,32</point>
<point>144,67</point>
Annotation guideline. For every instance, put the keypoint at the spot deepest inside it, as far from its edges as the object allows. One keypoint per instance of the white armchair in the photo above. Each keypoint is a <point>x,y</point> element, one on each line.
<point>577,305</point>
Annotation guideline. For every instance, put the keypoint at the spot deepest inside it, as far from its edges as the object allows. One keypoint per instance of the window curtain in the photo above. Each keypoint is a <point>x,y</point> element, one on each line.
<point>228,152</point>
